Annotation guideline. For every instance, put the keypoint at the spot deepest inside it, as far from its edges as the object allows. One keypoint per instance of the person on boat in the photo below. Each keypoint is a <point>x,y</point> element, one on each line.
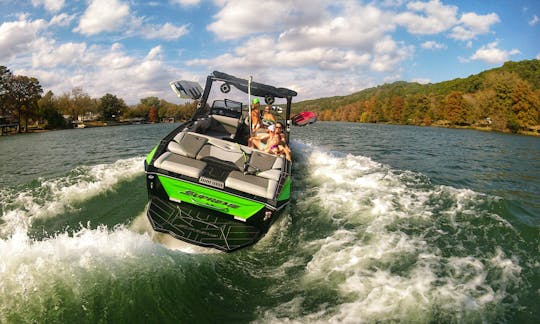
<point>273,141</point>
<point>262,140</point>
<point>268,118</point>
<point>278,143</point>
<point>255,116</point>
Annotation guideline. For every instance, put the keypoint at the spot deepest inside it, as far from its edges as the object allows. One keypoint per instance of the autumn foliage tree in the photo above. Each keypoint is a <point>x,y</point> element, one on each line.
<point>152,114</point>
<point>525,105</point>
<point>504,99</point>
<point>455,108</point>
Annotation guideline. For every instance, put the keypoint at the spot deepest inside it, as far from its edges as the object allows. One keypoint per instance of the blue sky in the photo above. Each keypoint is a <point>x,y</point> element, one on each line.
<point>319,48</point>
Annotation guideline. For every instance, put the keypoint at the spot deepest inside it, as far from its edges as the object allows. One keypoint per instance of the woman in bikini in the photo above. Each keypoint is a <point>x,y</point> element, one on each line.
<point>278,143</point>
<point>264,140</point>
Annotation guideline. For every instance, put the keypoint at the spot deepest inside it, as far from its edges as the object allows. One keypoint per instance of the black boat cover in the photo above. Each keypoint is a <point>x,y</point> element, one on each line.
<point>257,89</point>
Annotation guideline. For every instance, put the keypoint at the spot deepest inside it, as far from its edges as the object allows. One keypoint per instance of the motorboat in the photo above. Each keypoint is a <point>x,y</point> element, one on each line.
<point>206,185</point>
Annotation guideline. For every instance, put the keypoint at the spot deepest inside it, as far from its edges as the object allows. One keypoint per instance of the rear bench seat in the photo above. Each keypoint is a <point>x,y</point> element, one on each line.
<point>186,154</point>
<point>181,154</point>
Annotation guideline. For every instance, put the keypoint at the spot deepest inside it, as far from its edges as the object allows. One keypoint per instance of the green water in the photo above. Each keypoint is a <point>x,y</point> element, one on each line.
<point>387,223</point>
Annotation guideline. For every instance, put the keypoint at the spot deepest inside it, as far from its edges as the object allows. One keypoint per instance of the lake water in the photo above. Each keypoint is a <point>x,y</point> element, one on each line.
<point>386,223</point>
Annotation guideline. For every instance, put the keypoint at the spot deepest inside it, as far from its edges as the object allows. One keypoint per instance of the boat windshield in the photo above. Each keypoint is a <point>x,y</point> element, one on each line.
<point>233,103</point>
<point>227,107</point>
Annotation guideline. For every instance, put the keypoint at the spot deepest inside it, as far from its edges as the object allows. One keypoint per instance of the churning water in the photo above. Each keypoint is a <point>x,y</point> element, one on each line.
<point>386,223</point>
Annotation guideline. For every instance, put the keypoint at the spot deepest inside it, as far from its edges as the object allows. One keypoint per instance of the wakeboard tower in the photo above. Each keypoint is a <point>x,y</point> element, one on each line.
<point>205,185</point>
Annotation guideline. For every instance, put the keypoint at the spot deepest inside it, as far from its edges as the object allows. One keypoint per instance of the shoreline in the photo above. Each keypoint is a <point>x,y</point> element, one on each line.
<point>477,128</point>
<point>487,130</point>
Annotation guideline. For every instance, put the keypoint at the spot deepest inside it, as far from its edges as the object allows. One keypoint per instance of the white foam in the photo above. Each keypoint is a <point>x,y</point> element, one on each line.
<point>35,271</point>
<point>386,274</point>
<point>54,196</point>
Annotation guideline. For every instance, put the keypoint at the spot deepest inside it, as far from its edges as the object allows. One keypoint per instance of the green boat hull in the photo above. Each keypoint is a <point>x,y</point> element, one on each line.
<point>189,212</point>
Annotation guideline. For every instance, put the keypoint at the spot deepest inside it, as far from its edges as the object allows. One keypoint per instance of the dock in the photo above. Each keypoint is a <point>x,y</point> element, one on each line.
<point>7,126</point>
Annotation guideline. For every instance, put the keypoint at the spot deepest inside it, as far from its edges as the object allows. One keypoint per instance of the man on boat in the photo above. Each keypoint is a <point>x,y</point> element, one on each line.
<point>268,118</point>
<point>255,116</point>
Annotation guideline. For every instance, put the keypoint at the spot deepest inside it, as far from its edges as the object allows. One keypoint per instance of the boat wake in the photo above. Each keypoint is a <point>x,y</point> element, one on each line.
<point>46,198</point>
<point>390,245</point>
<point>361,242</point>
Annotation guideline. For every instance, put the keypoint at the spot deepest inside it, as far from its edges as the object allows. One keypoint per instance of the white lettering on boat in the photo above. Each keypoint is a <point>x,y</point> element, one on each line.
<point>210,199</point>
<point>212,182</point>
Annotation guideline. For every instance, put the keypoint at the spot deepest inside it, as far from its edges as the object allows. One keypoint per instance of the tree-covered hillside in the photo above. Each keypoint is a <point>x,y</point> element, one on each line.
<point>503,99</point>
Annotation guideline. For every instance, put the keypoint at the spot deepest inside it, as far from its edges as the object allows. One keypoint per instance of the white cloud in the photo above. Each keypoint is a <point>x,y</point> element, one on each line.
<point>432,45</point>
<point>186,2</point>
<point>358,27</point>
<point>534,20</point>
<point>18,37</point>
<point>421,80</point>
<point>100,70</point>
<point>388,54</point>
<point>427,18</point>
<point>472,24</point>
<point>240,18</point>
<point>345,45</point>
<point>62,19</point>
<point>312,37</point>
<point>50,5</point>
<point>392,3</point>
<point>538,56</point>
<point>103,16</point>
<point>113,15</point>
<point>154,53</point>
<point>48,56</point>
<point>166,31</point>
<point>462,59</point>
<point>491,54</point>
<point>327,40</point>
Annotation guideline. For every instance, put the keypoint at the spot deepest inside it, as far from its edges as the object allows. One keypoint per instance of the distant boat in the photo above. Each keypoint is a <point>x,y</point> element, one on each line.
<point>78,124</point>
<point>304,118</point>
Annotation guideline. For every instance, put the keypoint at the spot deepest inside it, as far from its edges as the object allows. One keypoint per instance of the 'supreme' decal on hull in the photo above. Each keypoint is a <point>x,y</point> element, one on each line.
<point>182,191</point>
<point>210,199</point>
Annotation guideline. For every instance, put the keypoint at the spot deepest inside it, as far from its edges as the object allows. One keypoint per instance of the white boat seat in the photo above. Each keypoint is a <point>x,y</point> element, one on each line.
<point>252,184</point>
<point>273,174</point>
<point>180,164</point>
<point>218,126</point>
<point>260,161</point>
<point>187,144</point>
<point>220,153</point>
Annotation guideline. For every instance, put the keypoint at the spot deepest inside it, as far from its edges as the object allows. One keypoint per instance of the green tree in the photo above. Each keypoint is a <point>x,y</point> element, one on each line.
<point>111,107</point>
<point>151,101</point>
<point>82,102</point>
<point>49,112</point>
<point>23,95</point>
<point>5,85</point>
<point>502,84</point>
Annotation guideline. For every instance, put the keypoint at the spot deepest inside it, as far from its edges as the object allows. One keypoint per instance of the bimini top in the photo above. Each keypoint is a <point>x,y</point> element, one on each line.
<point>257,89</point>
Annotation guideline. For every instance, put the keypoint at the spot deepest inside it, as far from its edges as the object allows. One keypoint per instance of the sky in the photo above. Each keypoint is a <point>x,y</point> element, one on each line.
<point>319,48</point>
